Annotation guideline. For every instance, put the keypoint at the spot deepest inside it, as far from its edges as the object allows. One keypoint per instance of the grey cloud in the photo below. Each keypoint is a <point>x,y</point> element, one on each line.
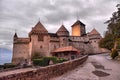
<point>21,15</point>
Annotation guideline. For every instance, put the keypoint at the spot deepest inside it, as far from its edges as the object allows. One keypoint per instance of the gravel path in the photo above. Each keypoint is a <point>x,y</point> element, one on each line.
<point>97,67</point>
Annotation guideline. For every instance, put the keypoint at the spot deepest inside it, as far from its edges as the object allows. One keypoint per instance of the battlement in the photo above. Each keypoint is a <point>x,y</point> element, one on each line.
<point>22,41</point>
<point>79,39</point>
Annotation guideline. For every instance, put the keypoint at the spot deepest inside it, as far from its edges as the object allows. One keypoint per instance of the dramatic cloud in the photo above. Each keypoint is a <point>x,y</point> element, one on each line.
<point>21,15</point>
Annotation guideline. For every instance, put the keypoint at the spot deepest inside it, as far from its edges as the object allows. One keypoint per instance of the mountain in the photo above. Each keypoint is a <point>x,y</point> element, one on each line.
<point>5,55</point>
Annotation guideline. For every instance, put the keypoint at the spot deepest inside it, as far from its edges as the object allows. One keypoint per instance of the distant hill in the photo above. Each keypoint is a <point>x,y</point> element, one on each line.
<point>5,55</point>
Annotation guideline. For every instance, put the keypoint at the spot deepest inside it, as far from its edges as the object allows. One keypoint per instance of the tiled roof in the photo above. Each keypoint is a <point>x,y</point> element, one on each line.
<point>62,29</point>
<point>53,34</point>
<point>94,31</point>
<point>39,28</point>
<point>78,22</point>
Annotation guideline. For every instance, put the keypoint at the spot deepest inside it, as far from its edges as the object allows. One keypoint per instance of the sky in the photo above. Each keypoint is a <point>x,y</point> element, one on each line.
<point>5,56</point>
<point>21,15</point>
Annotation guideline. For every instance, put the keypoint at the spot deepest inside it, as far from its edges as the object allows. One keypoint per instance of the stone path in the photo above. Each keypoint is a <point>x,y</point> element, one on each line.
<point>97,67</point>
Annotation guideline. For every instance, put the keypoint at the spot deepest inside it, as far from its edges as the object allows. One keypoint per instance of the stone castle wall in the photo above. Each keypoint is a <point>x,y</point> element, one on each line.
<point>42,42</point>
<point>20,53</point>
<point>48,72</point>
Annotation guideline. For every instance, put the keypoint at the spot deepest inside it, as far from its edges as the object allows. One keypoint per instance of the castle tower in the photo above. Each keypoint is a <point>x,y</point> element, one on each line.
<point>63,34</point>
<point>38,29</point>
<point>39,40</point>
<point>95,37</point>
<point>78,29</point>
<point>62,31</point>
<point>94,32</point>
<point>20,49</point>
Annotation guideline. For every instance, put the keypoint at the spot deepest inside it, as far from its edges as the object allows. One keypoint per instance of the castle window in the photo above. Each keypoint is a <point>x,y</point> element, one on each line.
<point>54,47</point>
<point>41,47</point>
<point>40,37</point>
<point>70,44</point>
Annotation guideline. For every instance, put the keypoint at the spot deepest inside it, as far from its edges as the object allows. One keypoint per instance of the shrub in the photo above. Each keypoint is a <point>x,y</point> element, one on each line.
<point>118,43</point>
<point>9,65</point>
<point>61,60</point>
<point>41,62</point>
<point>37,55</point>
<point>54,59</point>
<point>114,53</point>
<point>38,62</point>
<point>45,61</point>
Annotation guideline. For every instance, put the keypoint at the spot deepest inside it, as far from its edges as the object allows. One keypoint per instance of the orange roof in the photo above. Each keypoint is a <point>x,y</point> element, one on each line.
<point>65,49</point>
<point>94,31</point>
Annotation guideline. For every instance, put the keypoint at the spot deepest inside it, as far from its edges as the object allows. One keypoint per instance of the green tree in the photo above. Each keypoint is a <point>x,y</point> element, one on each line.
<point>107,42</point>
<point>114,53</point>
<point>113,33</point>
<point>118,43</point>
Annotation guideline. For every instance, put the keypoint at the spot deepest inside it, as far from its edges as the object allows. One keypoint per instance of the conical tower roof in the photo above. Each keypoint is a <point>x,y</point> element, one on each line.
<point>94,31</point>
<point>62,29</point>
<point>15,35</point>
<point>78,22</point>
<point>39,28</point>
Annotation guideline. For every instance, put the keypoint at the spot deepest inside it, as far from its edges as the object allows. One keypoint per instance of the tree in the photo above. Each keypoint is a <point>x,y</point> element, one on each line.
<point>113,33</point>
<point>107,42</point>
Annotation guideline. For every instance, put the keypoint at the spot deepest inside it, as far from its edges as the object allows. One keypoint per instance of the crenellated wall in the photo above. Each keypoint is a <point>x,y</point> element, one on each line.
<point>45,73</point>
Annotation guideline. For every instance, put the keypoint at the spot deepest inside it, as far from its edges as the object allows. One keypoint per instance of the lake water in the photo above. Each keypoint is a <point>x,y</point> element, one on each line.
<point>5,56</point>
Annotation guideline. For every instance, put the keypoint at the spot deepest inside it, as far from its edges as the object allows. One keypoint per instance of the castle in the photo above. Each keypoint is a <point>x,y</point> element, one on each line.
<point>42,42</point>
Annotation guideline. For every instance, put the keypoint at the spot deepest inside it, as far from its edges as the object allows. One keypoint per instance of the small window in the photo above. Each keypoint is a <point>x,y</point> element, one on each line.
<point>54,47</point>
<point>41,46</point>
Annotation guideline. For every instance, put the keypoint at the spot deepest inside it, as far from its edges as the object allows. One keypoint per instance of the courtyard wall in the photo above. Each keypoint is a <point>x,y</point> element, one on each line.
<point>45,73</point>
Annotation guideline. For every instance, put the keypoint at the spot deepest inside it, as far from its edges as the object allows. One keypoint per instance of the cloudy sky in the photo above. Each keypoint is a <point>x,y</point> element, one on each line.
<point>22,15</point>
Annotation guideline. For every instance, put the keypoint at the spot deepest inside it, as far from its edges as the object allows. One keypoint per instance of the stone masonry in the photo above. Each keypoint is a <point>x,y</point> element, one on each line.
<point>42,42</point>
